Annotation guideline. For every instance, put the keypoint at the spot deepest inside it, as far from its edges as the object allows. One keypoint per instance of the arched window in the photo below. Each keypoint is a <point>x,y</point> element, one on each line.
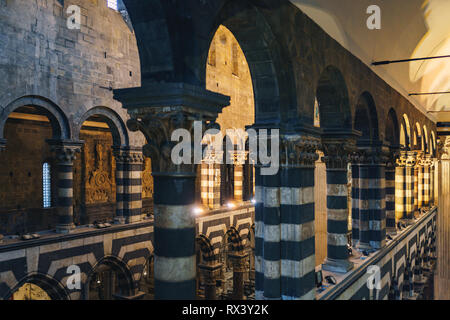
<point>46,185</point>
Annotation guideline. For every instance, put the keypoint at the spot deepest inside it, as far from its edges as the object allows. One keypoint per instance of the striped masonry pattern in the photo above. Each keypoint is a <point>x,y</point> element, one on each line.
<point>337,213</point>
<point>393,265</point>
<point>297,233</point>
<point>426,185</point>
<point>238,182</point>
<point>432,167</point>
<point>210,184</point>
<point>400,199</point>
<point>355,204</point>
<point>174,224</point>
<point>65,196</point>
<point>126,248</point>
<point>205,184</point>
<point>259,235</point>
<point>390,200</point>
<point>409,192</point>
<point>377,204</point>
<point>215,188</point>
<point>271,238</point>
<point>416,188</point>
<point>132,186</point>
<point>364,206</point>
<point>420,185</point>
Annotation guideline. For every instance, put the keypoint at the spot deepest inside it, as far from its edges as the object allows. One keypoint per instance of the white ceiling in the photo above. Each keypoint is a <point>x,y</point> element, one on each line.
<point>409,29</point>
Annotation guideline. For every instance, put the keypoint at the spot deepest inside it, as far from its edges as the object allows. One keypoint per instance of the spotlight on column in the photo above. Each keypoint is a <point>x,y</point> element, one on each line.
<point>253,200</point>
<point>231,205</point>
<point>197,211</point>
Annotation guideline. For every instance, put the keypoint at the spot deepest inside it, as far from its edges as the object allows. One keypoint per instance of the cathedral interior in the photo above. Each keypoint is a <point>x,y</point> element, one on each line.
<point>93,207</point>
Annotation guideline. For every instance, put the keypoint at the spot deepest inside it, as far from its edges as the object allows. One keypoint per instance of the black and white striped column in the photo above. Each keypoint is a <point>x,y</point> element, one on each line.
<point>391,227</point>
<point>174,236</point>
<point>259,234</point>
<point>416,188</point>
<point>400,199</point>
<point>426,180</point>
<point>377,204</point>
<point>432,168</point>
<point>297,233</point>
<point>409,186</point>
<point>355,204</point>
<point>65,155</point>
<point>365,190</point>
<point>337,155</point>
<point>129,165</point>
<point>272,237</point>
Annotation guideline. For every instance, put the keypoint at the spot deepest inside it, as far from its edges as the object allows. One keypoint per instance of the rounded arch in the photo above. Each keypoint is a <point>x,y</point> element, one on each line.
<point>332,96</point>
<point>52,287</point>
<point>112,119</point>
<point>126,281</point>
<point>426,147</point>
<point>418,138</point>
<point>58,120</point>
<point>392,131</point>
<point>433,143</point>
<point>366,118</point>
<point>206,248</point>
<point>405,134</point>
<point>271,69</point>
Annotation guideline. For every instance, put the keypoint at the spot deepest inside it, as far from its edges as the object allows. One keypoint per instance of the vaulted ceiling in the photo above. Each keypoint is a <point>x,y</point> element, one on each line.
<point>409,29</point>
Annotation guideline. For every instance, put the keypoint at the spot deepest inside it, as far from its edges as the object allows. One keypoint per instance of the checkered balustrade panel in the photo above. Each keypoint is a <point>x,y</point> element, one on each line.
<point>390,199</point>
<point>400,199</point>
<point>377,205</point>
<point>297,233</point>
<point>337,213</point>
<point>420,185</point>
<point>409,192</point>
<point>238,181</point>
<point>355,204</point>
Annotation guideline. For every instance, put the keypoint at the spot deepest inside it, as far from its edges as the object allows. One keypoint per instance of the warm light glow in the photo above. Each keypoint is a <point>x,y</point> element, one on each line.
<point>231,205</point>
<point>197,211</point>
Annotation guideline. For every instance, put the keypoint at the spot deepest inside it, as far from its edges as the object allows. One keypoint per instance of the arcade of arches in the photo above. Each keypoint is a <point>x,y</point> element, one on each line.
<point>87,176</point>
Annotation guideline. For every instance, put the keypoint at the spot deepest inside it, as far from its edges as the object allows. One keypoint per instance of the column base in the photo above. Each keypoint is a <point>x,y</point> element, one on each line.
<point>138,296</point>
<point>337,265</point>
<point>1,238</point>
<point>391,231</point>
<point>408,222</point>
<point>65,228</point>
<point>364,247</point>
<point>119,220</point>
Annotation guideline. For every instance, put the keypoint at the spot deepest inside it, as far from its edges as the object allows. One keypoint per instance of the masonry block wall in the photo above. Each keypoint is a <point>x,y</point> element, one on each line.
<point>40,56</point>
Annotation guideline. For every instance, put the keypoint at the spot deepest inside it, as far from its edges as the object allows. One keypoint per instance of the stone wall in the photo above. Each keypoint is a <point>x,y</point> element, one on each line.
<point>40,56</point>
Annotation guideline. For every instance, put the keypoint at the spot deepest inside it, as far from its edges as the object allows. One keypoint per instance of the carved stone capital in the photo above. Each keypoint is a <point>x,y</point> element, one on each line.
<point>299,150</point>
<point>443,148</point>
<point>157,109</point>
<point>128,155</point>
<point>238,156</point>
<point>338,153</point>
<point>373,155</point>
<point>65,151</point>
